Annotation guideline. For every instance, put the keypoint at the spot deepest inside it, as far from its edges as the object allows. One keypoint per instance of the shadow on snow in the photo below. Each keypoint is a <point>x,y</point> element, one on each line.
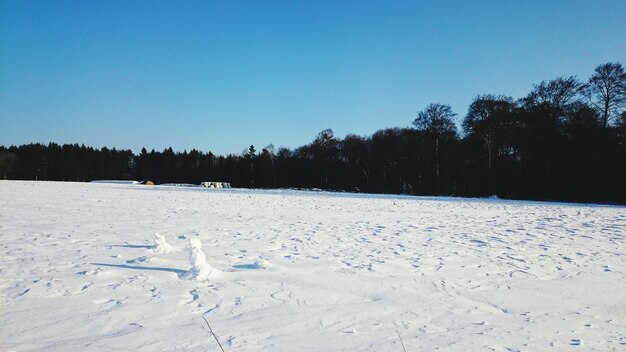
<point>145,246</point>
<point>178,272</point>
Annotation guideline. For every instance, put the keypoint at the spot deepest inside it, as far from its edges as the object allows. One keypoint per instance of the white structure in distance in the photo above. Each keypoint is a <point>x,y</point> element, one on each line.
<point>211,184</point>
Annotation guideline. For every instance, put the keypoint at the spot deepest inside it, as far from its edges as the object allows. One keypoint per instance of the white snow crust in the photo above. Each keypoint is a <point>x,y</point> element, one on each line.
<point>305,271</point>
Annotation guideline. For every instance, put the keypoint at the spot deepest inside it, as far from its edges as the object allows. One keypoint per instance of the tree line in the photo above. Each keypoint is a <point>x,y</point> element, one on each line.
<point>565,140</point>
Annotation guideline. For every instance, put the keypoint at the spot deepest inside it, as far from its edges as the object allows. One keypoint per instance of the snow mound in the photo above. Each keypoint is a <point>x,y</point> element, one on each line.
<point>200,269</point>
<point>161,246</point>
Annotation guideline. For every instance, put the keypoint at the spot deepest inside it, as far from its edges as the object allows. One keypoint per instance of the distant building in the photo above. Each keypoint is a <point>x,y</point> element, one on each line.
<point>210,184</point>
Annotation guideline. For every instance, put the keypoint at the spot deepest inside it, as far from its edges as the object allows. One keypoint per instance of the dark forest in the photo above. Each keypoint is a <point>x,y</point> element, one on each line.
<point>565,140</point>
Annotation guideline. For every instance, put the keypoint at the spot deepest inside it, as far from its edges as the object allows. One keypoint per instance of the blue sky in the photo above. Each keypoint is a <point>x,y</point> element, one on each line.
<point>220,76</point>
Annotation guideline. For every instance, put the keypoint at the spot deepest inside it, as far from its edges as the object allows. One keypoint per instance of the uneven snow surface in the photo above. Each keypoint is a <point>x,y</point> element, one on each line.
<point>305,271</point>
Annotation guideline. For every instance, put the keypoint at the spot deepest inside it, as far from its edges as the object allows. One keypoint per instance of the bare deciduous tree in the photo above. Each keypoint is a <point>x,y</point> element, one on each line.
<point>436,120</point>
<point>606,91</point>
<point>484,120</point>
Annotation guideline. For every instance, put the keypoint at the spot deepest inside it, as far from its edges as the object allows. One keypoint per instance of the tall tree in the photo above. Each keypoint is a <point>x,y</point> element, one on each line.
<point>355,152</point>
<point>484,120</point>
<point>606,90</point>
<point>268,153</point>
<point>436,121</point>
<point>8,161</point>
<point>386,150</point>
<point>324,148</point>
<point>555,94</point>
<point>542,113</point>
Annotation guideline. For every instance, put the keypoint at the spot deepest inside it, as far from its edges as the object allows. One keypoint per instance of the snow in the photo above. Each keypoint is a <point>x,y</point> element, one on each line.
<point>161,246</point>
<point>304,271</point>
<point>120,182</point>
<point>200,269</point>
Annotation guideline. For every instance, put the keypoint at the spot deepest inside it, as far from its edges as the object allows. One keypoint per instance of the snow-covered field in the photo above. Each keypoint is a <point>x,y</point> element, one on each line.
<point>305,271</point>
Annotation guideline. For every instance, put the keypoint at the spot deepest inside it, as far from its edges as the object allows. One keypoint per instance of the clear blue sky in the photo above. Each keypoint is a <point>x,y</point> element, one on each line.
<point>222,75</point>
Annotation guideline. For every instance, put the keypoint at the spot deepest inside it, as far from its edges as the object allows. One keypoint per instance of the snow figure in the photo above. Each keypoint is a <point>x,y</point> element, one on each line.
<point>200,269</point>
<point>161,246</point>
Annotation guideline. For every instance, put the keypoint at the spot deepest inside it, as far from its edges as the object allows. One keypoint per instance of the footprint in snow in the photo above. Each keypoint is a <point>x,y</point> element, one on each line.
<point>143,259</point>
<point>195,294</point>
<point>576,342</point>
<point>154,292</point>
<point>191,296</point>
